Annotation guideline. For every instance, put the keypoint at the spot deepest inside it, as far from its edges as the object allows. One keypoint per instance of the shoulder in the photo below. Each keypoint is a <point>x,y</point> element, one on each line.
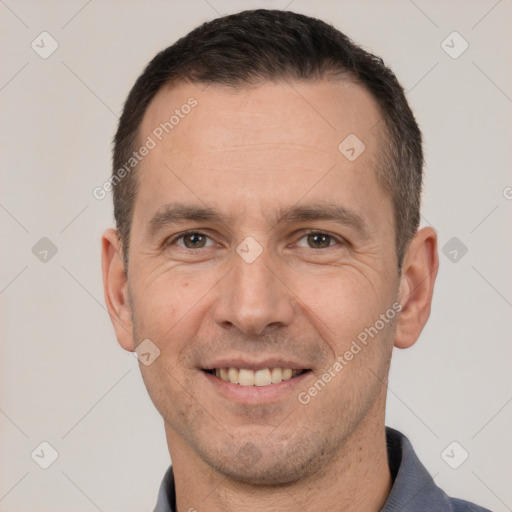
<point>413,487</point>
<point>465,506</point>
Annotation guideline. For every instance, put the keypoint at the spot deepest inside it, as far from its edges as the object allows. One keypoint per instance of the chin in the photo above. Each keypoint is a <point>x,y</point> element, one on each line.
<point>259,463</point>
<point>264,474</point>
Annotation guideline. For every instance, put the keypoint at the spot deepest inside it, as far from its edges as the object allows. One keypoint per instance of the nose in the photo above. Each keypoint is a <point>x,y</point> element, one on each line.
<point>254,298</point>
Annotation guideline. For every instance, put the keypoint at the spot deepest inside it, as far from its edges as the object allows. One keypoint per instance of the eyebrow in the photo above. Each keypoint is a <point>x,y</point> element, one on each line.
<point>178,213</point>
<point>326,212</point>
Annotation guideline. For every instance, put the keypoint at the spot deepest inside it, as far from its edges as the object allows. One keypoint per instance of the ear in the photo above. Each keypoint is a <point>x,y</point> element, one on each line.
<point>419,271</point>
<point>115,288</point>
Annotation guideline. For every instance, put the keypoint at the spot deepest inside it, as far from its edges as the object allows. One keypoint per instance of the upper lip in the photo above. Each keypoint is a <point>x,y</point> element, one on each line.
<point>241,362</point>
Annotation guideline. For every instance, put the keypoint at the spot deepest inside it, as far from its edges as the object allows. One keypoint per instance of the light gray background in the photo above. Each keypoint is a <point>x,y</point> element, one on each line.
<point>63,377</point>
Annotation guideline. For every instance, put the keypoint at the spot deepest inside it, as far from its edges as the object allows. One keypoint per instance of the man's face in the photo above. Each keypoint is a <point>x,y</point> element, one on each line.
<point>319,267</point>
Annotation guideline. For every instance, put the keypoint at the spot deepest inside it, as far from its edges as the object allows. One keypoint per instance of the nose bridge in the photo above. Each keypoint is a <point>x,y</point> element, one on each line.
<point>254,298</point>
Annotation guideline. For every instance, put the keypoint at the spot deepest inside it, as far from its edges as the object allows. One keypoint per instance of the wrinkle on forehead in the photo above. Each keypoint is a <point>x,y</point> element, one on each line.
<point>270,129</point>
<point>318,117</point>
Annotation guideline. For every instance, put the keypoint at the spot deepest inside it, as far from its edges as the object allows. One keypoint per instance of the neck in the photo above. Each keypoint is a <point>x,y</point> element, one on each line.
<point>356,478</point>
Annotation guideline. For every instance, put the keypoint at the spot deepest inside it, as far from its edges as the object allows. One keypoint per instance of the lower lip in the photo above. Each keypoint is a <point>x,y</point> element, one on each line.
<point>257,394</point>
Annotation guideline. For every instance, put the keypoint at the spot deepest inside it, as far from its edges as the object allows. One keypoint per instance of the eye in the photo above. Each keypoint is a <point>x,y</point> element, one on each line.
<point>191,240</point>
<point>318,240</point>
<point>197,240</point>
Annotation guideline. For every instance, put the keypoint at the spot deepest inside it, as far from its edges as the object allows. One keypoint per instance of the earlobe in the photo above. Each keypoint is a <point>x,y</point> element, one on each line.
<point>115,288</point>
<point>419,273</point>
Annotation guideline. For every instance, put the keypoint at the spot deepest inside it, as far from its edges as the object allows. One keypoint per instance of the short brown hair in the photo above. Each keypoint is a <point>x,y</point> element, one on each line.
<point>258,46</point>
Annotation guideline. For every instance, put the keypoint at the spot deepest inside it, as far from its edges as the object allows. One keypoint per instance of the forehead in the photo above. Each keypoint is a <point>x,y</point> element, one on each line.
<point>315,115</point>
<point>273,142</point>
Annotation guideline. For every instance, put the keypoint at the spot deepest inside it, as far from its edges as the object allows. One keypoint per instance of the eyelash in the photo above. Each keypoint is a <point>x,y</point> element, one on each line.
<point>172,240</point>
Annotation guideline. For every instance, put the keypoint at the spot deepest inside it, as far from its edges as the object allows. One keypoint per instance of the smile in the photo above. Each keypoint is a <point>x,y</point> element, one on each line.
<point>262,377</point>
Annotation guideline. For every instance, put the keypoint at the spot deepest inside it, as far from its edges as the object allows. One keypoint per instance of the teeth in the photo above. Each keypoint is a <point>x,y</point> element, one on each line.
<point>245,377</point>
<point>223,374</point>
<point>263,377</point>
<point>277,375</point>
<point>233,375</point>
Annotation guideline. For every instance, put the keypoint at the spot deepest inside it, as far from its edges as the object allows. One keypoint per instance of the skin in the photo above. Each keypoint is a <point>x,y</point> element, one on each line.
<point>251,154</point>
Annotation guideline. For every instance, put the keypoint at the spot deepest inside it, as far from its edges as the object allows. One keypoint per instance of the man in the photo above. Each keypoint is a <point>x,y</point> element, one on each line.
<point>267,258</point>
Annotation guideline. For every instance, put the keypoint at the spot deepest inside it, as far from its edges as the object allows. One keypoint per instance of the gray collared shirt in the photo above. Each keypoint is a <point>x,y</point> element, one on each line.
<point>413,487</point>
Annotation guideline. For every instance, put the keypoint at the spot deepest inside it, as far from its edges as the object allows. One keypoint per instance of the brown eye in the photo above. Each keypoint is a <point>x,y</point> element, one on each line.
<point>194,240</point>
<point>191,240</point>
<point>319,240</point>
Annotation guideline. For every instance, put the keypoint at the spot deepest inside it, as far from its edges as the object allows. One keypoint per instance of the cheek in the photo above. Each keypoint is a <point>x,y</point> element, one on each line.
<point>343,304</point>
<point>346,310</point>
<point>172,394</point>
<point>168,303</point>
<point>168,310</point>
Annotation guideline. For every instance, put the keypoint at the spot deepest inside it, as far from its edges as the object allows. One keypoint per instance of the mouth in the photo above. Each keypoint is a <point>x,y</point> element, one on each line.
<point>257,378</point>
